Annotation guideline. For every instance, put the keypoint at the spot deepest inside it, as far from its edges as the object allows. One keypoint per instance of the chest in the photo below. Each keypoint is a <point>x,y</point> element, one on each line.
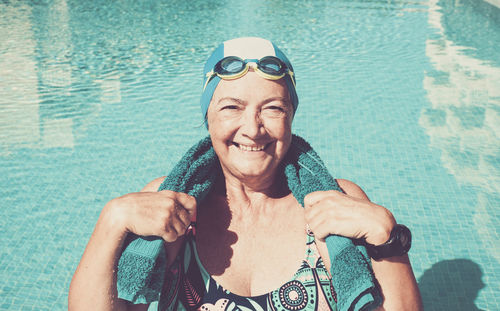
<point>252,257</point>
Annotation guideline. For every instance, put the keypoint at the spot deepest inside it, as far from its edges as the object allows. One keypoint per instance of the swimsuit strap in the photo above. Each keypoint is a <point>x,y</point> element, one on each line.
<point>310,235</point>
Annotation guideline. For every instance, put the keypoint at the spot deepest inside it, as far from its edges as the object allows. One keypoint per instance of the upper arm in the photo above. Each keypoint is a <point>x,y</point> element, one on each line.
<point>352,189</point>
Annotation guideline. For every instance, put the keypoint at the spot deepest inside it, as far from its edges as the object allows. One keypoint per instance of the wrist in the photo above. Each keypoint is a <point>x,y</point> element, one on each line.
<point>381,226</point>
<point>113,220</point>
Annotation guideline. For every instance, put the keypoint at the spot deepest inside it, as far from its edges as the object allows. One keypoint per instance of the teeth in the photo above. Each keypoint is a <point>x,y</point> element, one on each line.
<point>251,148</point>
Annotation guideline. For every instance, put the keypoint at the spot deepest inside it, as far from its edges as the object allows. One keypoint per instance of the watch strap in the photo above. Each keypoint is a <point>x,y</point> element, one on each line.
<point>399,243</point>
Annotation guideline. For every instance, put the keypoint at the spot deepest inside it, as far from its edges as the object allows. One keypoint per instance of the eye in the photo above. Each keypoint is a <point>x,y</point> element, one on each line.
<point>229,107</point>
<point>229,104</point>
<point>277,108</point>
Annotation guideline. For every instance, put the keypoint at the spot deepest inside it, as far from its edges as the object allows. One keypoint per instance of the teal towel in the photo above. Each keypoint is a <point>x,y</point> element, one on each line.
<point>142,264</point>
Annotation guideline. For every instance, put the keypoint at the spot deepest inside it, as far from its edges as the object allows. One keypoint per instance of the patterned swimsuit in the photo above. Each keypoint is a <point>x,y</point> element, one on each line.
<point>188,286</point>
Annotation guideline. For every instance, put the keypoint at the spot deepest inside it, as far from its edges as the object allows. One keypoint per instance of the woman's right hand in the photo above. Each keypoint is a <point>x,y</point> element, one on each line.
<point>166,214</point>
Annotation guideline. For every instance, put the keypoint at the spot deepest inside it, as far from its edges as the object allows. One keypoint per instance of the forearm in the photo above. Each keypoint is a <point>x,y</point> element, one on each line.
<point>398,284</point>
<point>93,286</point>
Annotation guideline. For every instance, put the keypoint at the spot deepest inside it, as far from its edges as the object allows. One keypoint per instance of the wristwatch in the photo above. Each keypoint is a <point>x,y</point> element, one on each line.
<point>399,243</point>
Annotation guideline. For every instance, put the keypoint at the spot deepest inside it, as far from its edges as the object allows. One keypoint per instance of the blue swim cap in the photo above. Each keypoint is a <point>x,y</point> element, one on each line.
<point>244,48</point>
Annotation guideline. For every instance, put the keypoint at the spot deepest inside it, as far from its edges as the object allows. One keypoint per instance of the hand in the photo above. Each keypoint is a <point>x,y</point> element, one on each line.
<point>166,214</point>
<point>332,212</point>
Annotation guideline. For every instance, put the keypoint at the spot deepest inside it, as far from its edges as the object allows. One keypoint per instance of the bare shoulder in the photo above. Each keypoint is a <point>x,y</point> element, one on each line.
<point>352,189</point>
<point>153,185</point>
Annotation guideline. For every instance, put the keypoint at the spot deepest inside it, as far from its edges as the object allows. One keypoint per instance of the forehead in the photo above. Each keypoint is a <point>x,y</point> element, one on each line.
<point>251,87</point>
<point>250,48</point>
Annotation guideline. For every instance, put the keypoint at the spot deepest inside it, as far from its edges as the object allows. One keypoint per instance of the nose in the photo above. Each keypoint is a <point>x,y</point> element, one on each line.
<point>252,125</point>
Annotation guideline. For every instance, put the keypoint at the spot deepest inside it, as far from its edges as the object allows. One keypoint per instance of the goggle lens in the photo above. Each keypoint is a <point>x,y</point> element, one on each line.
<point>271,65</point>
<point>230,65</point>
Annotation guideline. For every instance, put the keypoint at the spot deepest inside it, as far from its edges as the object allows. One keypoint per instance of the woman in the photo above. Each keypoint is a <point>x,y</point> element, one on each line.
<point>253,240</point>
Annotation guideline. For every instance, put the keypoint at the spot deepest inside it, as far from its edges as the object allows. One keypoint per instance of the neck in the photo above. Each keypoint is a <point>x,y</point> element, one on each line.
<point>251,193</point>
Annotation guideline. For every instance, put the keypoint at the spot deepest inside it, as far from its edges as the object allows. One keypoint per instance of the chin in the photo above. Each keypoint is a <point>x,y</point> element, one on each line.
<point>253,171</point>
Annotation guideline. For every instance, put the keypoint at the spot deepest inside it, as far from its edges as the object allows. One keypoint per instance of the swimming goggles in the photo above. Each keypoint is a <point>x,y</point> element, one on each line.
<point>233,67</point>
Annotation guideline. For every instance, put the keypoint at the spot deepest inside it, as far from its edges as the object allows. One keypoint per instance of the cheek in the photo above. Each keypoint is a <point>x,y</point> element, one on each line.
<point>287,131</point>
<point>220,131</point>
<point>283,127</point>
<point>214,125</point>
<point>282,131</point>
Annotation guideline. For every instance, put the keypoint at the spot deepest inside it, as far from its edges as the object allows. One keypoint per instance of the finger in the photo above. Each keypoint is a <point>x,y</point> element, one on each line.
<point>189,203</point>
<point>169,235</point>
<point>179,227</point>
<point>184,216</point>
<point>321,230</point>
<point>310,212</point>
<point>314,197</point>
<point>315,211</point>
<point>314,223</point>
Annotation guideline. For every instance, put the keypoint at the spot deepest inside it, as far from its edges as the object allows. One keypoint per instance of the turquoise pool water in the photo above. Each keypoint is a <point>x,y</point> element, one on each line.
<point>97,98</point>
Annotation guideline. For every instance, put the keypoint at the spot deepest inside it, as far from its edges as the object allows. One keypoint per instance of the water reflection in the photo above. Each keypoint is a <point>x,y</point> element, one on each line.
<point>464,119</point>
<point>45,102</point>
<point>63,61</point>
<point>19,118</point>
<point>55,75</point>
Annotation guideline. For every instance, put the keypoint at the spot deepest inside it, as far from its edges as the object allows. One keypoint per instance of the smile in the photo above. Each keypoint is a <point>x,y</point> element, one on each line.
<point>250,148</point>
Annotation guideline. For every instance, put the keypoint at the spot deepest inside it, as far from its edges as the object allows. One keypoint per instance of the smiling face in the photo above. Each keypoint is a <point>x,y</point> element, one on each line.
<point>249,121</point>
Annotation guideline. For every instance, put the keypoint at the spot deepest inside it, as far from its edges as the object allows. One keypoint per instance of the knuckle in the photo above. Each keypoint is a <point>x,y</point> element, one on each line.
<point>184,215</point>
<point>310,198</point>
<point>165,216</point>
<point>169,200</point>
<point>167,192</point>
<point>331,198</point>
<point>308,218</point>
<point>169,237</point>
<point>307,199</point>
<point>168,230</point>
<point>193,201</point>
<point>333,195</point>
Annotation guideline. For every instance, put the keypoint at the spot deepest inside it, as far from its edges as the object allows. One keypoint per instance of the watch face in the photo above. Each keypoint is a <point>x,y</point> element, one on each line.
<point>404,237</point>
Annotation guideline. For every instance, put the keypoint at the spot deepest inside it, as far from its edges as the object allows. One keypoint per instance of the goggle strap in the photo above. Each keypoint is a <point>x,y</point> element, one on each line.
<point>292,77</point>
<point>209,76</point>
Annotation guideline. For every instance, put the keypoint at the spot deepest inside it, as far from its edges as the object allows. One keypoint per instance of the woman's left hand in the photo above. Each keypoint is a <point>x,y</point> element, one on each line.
<point>333,212</point>
<point>353,215</point>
